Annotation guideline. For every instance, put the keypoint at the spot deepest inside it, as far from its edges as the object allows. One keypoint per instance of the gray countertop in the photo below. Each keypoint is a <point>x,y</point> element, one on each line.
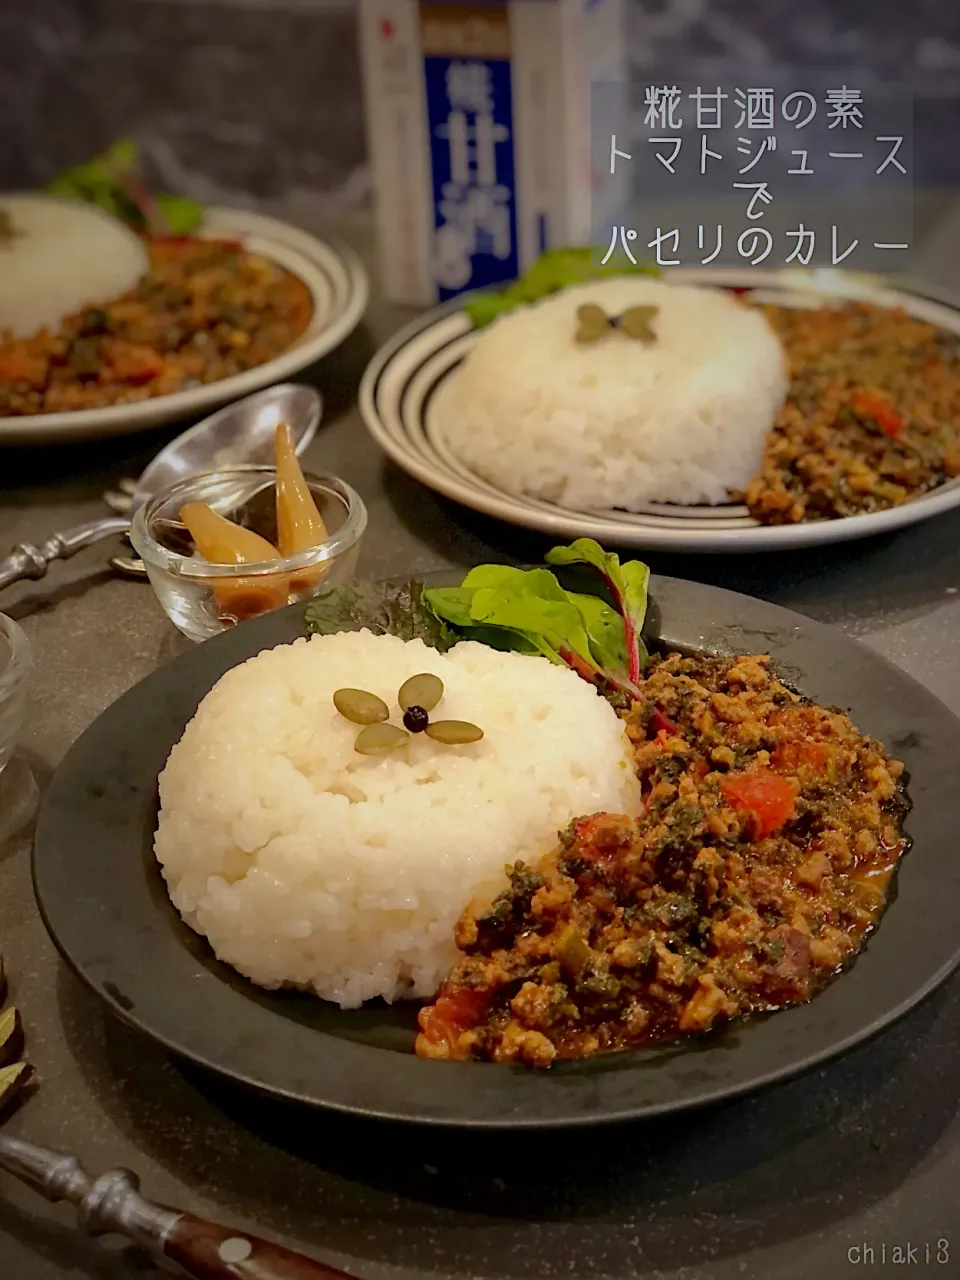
<point>860,1155</point>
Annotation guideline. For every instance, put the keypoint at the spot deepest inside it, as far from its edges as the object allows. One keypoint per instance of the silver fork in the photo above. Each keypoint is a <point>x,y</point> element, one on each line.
<point>120,500</point>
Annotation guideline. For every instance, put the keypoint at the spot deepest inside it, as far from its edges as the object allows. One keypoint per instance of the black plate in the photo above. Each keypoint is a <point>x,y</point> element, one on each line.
<point>104,903</point>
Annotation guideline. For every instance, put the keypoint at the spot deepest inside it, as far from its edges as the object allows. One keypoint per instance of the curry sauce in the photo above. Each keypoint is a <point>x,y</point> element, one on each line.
<point>203,311</point>
<point>763,858</point>
<point>872,416</point>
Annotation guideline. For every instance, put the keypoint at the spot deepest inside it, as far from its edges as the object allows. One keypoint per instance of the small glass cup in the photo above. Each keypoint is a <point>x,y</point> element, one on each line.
<point>203,599</point>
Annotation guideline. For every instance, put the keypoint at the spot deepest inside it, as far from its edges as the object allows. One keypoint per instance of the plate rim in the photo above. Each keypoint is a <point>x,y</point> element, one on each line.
<point>544,517</point>
<point>316,255</point>
<point>353,1053</point>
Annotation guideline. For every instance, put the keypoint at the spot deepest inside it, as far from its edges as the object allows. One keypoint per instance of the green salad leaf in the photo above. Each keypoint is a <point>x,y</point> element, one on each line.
<point>181,214</point>
<point>529,611</point>
<point>518,610</point>
<point>452,604</point>
<point>96,182</point>
<point>627,585</point>
<point>396,609</point>
<point>604,629</point>
<point>484,308</point>
<point>554,270</point>
<point>111,181</point>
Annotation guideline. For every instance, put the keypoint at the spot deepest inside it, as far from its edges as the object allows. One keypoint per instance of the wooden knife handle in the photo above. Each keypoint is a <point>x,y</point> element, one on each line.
<point>212,1252</point>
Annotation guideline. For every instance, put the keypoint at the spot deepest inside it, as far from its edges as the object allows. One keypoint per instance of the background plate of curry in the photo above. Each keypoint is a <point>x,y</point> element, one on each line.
<point>868,439</point>
<point>104,902</point>
<point>259,300</point>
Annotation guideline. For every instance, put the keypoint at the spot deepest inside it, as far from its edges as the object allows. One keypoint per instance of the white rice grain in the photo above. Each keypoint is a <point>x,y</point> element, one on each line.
<point>64,255</point>
<point>309,865</point>
<point>618,423</point>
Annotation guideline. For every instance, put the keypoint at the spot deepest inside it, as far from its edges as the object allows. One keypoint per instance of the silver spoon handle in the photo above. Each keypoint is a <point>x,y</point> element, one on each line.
<point>29,561</point>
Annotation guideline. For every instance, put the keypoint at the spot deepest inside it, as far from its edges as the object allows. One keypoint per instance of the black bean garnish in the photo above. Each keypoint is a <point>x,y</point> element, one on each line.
<point>416,719</point>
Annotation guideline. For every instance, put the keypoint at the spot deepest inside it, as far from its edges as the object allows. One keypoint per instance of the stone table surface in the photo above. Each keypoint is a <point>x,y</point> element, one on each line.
<point>798,1183</point>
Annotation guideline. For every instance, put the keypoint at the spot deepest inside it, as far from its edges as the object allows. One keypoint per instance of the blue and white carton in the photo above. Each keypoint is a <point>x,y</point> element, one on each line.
<point>478,119</point>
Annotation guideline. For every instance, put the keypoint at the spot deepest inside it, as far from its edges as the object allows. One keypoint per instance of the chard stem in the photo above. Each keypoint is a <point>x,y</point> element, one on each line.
<point>599,675</point>
<point>629,631</point>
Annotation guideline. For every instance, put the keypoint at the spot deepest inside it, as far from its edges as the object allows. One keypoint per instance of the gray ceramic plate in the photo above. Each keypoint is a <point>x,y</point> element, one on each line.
<point>104,903</point>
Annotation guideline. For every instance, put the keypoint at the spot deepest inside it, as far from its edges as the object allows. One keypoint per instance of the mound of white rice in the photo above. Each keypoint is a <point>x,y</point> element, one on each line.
<point>307,864</point>
<point>618,423</point>
<point>64,256</point>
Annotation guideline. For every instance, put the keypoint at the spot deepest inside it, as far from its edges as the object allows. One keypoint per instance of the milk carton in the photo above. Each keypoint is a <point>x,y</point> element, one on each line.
<point>478,117</point>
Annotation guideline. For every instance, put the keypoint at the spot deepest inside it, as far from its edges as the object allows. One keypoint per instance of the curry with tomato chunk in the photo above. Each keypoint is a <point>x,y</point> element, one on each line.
<point>770,832</point>
<point>872,416</point>
<point>204,310</point>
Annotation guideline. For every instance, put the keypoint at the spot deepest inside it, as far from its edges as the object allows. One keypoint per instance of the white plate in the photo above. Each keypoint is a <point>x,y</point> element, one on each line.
<point>399,387</point>
<point>338,288</point>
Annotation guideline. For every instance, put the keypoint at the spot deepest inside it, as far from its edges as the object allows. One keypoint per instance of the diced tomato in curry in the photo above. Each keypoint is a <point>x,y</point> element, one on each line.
<point>770,832</point>
<point>456,1010</point>
<point>878,408</point>
<point>872,415</point>
<point>770,800</point>
<point>205,310</point>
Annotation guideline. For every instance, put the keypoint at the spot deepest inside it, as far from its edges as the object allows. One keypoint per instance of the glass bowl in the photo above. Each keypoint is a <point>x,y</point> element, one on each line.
<point>15,663</point>
<point>203,599</point>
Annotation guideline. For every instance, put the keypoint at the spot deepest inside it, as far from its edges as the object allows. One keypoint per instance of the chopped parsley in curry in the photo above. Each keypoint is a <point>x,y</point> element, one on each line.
<point>872,417</point>
<point>204,310</point>
<point>770,833</point>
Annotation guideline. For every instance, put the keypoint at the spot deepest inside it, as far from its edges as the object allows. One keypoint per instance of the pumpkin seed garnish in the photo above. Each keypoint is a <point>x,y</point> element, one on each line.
<point>360,707</point>
<point>380,739</point>
<point>420,691</point>
<point>593,323</point>
<point>417,698</point>
<point>635,322</point>
<point>453,733</point>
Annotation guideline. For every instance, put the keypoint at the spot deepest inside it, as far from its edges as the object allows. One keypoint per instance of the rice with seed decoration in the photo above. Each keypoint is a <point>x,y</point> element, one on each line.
<point>306,864</point>
<point>618,422</point>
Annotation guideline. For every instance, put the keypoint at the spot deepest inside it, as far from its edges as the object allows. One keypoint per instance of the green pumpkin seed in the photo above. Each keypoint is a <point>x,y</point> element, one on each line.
<point>420,691</point>
<point>453,732</point>
<point>360,707</point>
<point>635,323</point>
<point>593,323</point>
<point>380,739</point>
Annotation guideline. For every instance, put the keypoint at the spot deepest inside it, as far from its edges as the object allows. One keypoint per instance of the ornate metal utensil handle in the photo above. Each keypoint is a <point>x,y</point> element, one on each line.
<point>29,561</point>
<point>112,1202</point>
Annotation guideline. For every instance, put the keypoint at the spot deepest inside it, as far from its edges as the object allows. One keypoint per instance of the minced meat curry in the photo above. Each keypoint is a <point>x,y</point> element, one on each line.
<point>872,417</point>
<point>205,310</point>
<point>771,830</point>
